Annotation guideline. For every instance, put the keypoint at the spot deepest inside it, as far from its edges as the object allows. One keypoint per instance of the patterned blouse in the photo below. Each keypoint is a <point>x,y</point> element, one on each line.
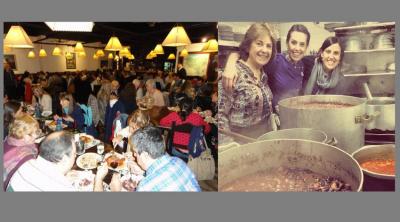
<point>250,102</point>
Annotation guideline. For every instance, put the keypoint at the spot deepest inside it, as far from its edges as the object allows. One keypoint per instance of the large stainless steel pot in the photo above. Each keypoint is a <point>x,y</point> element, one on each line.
<point>296,133</point>
<point>346,124</point>
<point>321,158</point>
<point>386,118</point>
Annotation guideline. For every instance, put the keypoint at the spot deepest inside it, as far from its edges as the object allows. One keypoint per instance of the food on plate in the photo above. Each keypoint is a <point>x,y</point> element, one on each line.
<point>86,139</point>
<point>85,182</point>
<point>387,166</point>
<point>52,124</point>
<point>88,160</point>
<point>114,161</point>
<point>287,180</point>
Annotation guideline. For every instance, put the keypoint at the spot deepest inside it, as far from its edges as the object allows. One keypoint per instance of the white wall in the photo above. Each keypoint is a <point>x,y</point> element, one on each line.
<point>52,63</point>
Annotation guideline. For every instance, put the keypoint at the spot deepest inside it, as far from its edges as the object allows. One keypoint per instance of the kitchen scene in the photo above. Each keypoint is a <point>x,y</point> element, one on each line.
<point>110,106</point>
<point>306,106</point>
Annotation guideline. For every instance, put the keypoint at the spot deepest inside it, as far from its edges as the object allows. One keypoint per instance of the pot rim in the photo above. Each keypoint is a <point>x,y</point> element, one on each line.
<point>360,186</point>
<point>371,173</point>
<point>294,129</point>
<point>358,100</point>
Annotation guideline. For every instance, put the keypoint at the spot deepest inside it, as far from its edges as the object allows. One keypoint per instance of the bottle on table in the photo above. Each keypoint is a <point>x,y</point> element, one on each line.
<point>59,124</point>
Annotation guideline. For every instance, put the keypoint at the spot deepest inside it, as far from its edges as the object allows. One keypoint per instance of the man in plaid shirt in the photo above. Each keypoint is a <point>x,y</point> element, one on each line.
<point>162,171</point>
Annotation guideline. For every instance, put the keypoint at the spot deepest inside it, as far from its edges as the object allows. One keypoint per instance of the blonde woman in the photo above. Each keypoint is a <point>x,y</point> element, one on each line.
<point>138,119</point>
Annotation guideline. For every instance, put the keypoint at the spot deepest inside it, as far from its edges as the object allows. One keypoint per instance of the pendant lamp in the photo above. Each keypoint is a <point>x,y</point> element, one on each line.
<point>158,49</point>
<point>171,56</point>
<point>100,53</point>
<point>184,53</point>
<point>110,56</point>
<point>95,56</point>
<point>17,38</point>
<point>124,52</point>
<point>113,44</point>
<point>56,51</point>
<point>79,47</point>
<point>31,54</point>
<point>177,37</point>
<point>69,55</point>
<point>42,53</point>
<point>210,46</point>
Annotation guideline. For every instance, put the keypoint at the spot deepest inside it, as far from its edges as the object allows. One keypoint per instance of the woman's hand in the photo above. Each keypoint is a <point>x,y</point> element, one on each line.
<point>117,139</point>
<point>207,113</point>
<point>116,183</point>
<point>229,76</point>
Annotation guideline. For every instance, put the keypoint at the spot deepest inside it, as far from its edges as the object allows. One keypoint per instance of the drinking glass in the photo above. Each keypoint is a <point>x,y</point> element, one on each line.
<point>80,147</point>
<point>100,148</point>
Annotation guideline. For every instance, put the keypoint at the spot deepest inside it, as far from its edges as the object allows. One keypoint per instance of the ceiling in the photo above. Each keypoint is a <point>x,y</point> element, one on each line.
<point>140,36</point>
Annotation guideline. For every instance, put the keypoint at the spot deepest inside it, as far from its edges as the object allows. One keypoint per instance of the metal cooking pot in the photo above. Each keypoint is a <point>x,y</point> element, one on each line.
<point>346,124</point>
<point>384,41</point>
<point>297,133</point>
<point>386,119</point>
<point>353,44</point>
<point>321,158</point>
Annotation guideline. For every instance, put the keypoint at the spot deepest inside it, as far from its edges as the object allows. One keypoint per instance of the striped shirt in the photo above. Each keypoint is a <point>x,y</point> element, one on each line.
<point>39,175</point>
<point>168,174</point>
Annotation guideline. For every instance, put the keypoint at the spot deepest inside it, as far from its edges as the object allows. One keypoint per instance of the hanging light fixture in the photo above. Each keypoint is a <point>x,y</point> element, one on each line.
<point>113,44</point>
<point>95,56</point>
<point>79,47</point>
<point>131,57</point>
<point>158,49</point>
<point>184,53</point>
<point>17,38</point>
<point>116,58</point>
<point>42,53</point>
<point>110,55</point>
<point>210,46</point>
<point>171,56</point>
<point>149,56</point>
<point>177,37</point>
<point>31,54</point>
<point>56,51</point>
<point>124,52</point>
<point>153,54</point>
<point>100,53</point>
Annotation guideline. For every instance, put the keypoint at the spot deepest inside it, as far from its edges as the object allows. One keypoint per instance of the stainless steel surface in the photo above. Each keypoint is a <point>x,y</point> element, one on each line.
<point>321,158</point>
<point>354,43</point>
<point>367,91</point>
<point>296,133</point>
<point>340,123</point>
<point>366,153</point>
<point>383,41</point>
<point>386,119</point>
<point>391,67</point>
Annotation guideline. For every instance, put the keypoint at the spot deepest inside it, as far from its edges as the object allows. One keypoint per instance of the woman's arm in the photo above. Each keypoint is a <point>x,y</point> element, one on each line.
<point>229,75</point>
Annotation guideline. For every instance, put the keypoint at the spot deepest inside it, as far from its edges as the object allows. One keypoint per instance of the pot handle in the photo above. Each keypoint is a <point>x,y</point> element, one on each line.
<point>227,146</point>
<point>366,118</point>
<point>333,141</point>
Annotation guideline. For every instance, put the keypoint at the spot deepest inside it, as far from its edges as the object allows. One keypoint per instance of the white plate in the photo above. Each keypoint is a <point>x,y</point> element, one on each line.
<point>88,161</point>
<point>81,180</point>
<point>122,167</point>
<point>46,113</point>
<point>52,126</point>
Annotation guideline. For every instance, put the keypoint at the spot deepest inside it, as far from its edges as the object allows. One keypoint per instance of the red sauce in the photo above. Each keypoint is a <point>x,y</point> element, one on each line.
<point>380,166</point>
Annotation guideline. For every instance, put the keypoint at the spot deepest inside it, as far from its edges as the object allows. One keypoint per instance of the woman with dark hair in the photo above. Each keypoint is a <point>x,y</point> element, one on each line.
<point>285,72</point>
<point>248,109</point>
<point>183,116</point>
<point>325,74</point>
<point>72,114</point>
<point>12,110</point>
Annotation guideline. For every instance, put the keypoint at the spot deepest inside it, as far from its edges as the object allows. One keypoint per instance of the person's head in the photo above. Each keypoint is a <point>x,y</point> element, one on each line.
<point>66,102</point>
<point>38,91</point>
<point>59,148</point>
<point>6,65</point>
<point>297,40</point>
<point>114,85</point>
<point>180,66</point>
<point>150,85</point>
<point>136,83</point>
<point>185,105</point>
<point>138,119</point>
<point>12,109</point>
<point>258,45</point>
<point>24,127</point>
<point>147,145</point>
<point>331,53</point>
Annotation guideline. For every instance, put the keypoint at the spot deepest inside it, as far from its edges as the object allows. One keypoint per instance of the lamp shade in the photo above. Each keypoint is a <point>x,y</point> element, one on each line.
<point>31,54</point>
<point>100,53</point>
<point>124,52</point>
<point>131,57</point>
<point>149,56</point>
<point>171,56</point>
<point>177,37</point>
<point>158,49</point>
<point>17,38</point>
<point>210,46</point>
<point>56,51</point>
<point>42,53</point>
<point>153,54</point>
<point>116,58</point>
<point>113,44</point>
<point>79,47</point>
<point>184,53</point>
<point>110,56</point>
<point>95,56</point>
<point>68,55</point>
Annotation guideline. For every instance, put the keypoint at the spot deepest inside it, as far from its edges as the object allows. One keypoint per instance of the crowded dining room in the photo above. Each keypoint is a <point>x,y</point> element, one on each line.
<point>110,106</point>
